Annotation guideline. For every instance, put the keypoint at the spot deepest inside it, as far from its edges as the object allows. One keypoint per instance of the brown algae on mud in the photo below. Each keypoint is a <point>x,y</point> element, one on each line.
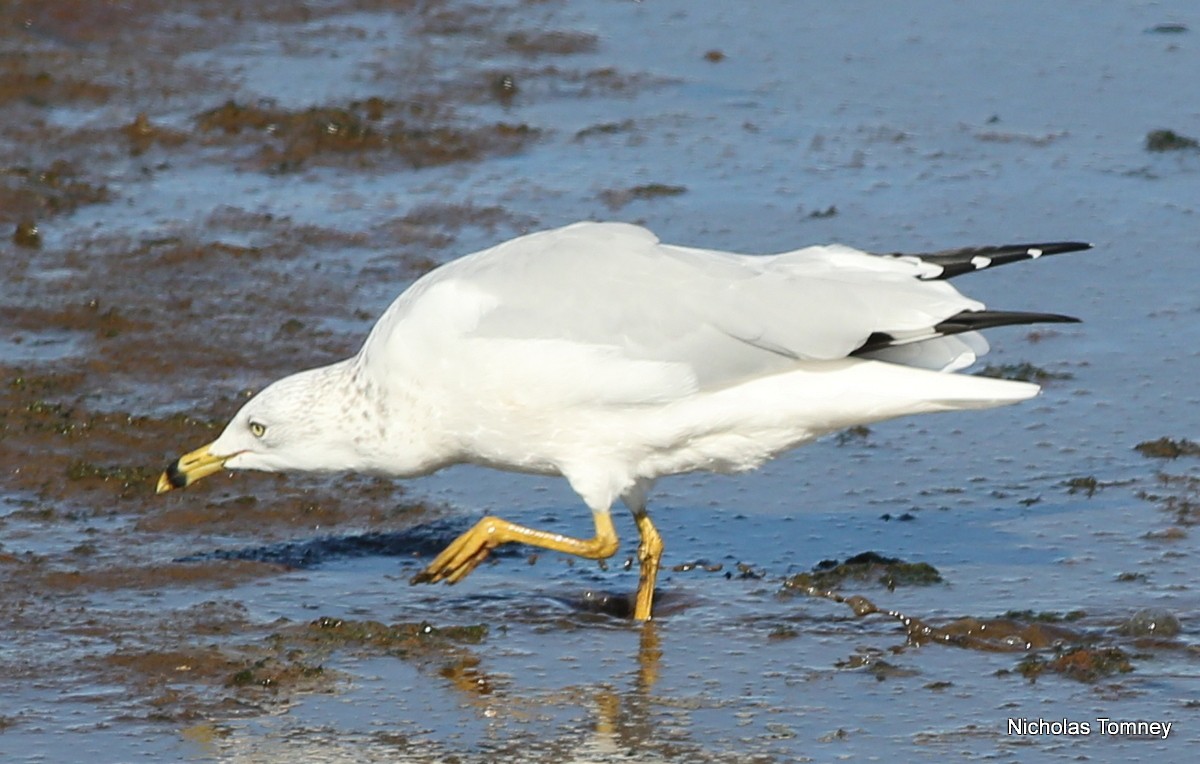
<point>415,133</point>
<point>1177,494</point>
<point>1073,654</point>
<point>32,193</point>
<point>616,198</point>
<point>143,135</point>
<point>1083,664</point>
<point>1168,448</point>
<point>1050,644</point>
<point>1023,372</point>
<point>865,567</point>
<point>296,653</point>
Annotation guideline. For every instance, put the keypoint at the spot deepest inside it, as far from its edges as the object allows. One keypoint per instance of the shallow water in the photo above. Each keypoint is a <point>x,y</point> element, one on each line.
<point>203,625</point>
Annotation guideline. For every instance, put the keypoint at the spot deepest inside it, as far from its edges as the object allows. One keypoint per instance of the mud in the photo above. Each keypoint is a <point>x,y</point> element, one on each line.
<point>104,325</point>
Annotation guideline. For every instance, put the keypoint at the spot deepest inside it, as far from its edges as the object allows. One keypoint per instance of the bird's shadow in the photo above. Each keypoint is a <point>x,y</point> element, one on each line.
<point>418,542</point>
<point>424,540</point>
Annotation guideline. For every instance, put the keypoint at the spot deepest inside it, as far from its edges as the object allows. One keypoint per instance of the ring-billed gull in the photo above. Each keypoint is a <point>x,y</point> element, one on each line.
<point>600,354</point>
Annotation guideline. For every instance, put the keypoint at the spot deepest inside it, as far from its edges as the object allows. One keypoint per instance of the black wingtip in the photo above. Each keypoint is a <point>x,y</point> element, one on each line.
<point>966,321</point>
<point>976,320</point>
<point>1059,247</point>
<point>955,262</point>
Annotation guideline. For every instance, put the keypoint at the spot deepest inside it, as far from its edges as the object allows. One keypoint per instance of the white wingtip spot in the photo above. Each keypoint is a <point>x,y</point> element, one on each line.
<point>929,271</point>
<point>1035,253</point>
<point>980,262</point>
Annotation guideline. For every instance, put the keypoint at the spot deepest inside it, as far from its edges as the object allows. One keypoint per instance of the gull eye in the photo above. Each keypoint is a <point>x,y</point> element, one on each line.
<point>258,429</point>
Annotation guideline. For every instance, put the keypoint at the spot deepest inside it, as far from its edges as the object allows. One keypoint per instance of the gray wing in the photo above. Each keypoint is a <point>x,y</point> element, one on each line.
<point>606,305</point>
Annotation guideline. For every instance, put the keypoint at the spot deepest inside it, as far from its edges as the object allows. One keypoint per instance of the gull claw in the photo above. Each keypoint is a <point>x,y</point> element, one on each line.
<point>462,556</point>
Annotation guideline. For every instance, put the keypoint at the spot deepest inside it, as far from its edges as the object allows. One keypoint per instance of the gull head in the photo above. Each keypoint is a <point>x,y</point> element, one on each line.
<point>302,422</point>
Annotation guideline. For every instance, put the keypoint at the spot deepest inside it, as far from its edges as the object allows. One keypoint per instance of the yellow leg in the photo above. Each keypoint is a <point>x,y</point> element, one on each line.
<point>472,548</point>
<point>649,553</point>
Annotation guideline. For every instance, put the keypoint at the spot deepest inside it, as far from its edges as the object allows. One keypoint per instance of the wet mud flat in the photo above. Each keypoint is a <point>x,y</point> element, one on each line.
<point>112,307</point>
<point>199,197</point>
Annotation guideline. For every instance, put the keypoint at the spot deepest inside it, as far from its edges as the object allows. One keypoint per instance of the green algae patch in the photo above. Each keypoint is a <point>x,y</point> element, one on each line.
<point>855,435</point>
<point>1085,484</point>
<point>402,637</point>
<point>870,663</point>
<point>605,128</point>
<point>1168,28</point>
<point>865,567</point>
<point>1151,622</point>
<point>273,674</point>
<point>1158,141</point>
<point>1089,484</point>
<point>783,632</point>
<point>129,478</point>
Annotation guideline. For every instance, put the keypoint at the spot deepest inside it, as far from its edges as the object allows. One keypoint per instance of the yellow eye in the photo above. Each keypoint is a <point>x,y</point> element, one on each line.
<point>257,429</point>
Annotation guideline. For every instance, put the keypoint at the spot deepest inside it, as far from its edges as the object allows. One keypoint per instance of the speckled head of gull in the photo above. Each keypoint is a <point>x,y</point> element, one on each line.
<point>598,353</point>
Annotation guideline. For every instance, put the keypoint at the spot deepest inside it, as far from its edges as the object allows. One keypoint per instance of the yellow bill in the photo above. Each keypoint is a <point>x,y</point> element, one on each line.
<point>189,468</point>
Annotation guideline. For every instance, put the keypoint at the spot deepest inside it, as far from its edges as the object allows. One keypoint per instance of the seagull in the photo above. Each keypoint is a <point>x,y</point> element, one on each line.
<point>598,353</point>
